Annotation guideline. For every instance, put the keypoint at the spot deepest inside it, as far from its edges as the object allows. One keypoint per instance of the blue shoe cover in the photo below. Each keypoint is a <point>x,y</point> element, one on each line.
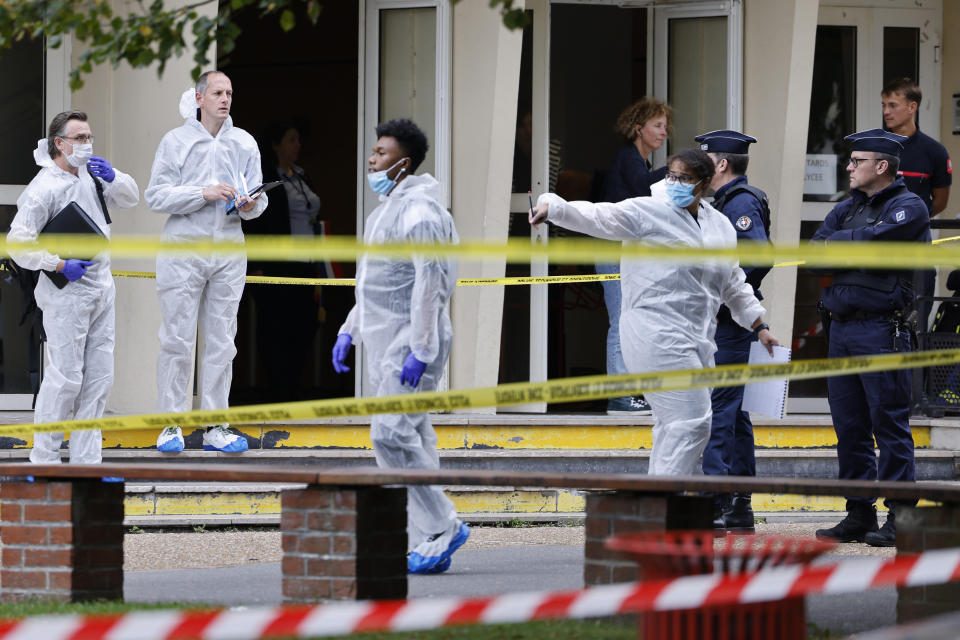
<point>28,478</point>
<point>416,563</point>
<point>170,440</point>
<point>457,541</point>
<point>237,446</point>
<point>441,566</point>
<point>113,479</point>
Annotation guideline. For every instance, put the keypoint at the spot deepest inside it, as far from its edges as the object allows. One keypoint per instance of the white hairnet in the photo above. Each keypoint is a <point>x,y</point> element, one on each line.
<point>188,103</point>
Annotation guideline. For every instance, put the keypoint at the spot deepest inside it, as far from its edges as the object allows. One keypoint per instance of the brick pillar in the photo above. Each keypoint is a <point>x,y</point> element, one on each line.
<point>61,540</point>
<point>616,512</point>
<point>342,543</point>
<point>924,529</point>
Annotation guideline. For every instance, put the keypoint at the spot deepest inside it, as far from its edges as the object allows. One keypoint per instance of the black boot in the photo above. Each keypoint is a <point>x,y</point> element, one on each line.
<point>740,515</point>
<point>721,502</point>
<point>887,535</point>
<point>861,519</point>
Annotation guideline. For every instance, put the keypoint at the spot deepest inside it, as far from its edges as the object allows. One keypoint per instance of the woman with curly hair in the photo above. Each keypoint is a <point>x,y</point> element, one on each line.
<point>644,126</point>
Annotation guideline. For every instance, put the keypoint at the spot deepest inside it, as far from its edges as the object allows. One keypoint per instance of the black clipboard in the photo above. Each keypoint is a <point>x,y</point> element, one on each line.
<point>71,219</point>
<point>266,186</point>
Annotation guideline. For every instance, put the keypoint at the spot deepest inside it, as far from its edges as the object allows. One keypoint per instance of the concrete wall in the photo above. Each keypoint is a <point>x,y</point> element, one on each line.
<point>486,72</point>
<point>776,100</point>
<point>130,110</point>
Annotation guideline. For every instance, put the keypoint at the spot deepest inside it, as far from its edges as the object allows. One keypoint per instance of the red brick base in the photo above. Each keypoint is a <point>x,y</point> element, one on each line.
<point>924,529</point>
<point>61,540</point>
<point>342,543</point>
<point>611,513</point>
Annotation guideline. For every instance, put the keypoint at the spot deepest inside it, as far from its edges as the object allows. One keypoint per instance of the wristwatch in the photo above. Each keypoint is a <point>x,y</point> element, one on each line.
<point>760,327</point>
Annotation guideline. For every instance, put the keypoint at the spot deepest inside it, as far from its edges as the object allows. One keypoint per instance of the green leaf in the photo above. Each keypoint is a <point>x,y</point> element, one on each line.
<point>287,20</point>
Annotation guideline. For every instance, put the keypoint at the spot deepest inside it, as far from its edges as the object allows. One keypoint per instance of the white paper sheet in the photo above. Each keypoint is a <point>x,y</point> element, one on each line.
<point>768,397</point>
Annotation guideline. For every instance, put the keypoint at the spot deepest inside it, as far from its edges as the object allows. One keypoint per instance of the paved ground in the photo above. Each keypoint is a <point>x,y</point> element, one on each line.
<point>242,568</point>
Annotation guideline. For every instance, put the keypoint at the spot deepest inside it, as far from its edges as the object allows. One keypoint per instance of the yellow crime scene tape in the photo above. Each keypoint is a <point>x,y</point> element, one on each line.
<point>879,255</point>
<point>553,391</point>
<point>350,282</point>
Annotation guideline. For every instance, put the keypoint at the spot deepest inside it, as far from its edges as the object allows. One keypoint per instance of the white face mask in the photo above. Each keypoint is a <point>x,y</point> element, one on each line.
<point>81,153</point>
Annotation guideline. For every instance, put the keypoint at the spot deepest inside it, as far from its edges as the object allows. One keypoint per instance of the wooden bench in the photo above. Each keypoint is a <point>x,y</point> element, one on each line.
<point>344,534</point>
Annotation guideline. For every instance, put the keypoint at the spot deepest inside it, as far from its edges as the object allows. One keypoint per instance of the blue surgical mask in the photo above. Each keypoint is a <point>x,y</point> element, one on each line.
<point>381,183</point>
<point>680,193</point>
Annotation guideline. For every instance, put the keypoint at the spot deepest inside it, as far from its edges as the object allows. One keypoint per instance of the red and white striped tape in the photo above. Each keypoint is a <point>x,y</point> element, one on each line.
<point>688,592</point>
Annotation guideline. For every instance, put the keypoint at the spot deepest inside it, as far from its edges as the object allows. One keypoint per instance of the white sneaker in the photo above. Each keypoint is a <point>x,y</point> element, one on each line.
<point>170,440</point>
<point>219,438</point>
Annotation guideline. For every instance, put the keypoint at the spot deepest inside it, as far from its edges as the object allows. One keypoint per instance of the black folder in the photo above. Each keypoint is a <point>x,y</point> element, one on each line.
<point>71,219</point>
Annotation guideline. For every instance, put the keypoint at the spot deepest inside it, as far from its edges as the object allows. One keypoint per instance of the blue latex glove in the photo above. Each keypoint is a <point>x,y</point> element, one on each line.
<point>74,269</point>
<point>340,351</point>
<point>101,168</point>
<point>412,370</point>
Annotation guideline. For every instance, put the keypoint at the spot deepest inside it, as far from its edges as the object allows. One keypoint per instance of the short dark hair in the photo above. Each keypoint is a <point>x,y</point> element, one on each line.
<point>412,140</point>
<point>906,86</point>
<point>696,161</point>
<point>893,163</point>
<point>738,161</point>
<point>58,128</point>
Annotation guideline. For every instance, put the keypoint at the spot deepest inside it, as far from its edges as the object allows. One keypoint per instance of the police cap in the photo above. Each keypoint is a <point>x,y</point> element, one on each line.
<point>725,141</point>
<point>878,141</point>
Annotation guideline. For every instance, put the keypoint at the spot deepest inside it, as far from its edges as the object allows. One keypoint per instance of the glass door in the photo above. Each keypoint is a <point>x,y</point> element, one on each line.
<point>34,88</point>
<point>405,48</point>
<point>858,50</point>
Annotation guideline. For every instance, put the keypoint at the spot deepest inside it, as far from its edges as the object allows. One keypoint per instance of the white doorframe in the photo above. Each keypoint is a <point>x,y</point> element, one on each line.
<point>732,10</point>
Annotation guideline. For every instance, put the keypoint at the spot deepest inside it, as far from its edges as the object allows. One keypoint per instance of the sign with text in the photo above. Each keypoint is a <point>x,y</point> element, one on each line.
<point>820,178</point>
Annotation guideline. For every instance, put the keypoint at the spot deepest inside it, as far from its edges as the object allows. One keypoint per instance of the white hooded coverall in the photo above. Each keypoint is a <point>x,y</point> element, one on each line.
<point>78,319</point>
<point>668,315</point>
<point>200,287</point>
<point>402,308</point>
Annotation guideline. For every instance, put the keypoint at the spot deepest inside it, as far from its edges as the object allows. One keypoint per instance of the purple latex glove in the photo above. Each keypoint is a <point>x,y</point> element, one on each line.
<point>412,370</point>
<point>74,269</point>
<point>340,351</point>
<point>101,168</point>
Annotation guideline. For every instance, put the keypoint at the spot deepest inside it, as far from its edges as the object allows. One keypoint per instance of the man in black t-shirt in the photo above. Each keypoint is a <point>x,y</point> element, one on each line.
<point>924,166</point>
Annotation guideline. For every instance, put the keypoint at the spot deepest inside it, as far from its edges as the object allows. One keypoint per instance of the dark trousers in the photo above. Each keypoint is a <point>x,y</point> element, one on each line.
<point>871,406</point>
<point>730,449</point>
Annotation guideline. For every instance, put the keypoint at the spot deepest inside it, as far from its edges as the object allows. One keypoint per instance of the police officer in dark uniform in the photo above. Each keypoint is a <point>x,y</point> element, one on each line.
<point>730,449</point>
<point>866,311</point>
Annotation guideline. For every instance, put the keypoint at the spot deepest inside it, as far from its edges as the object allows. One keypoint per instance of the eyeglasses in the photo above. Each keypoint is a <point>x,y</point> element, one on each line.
<point>79,139</point>
<point>686,178</point>
<point>856,162</point>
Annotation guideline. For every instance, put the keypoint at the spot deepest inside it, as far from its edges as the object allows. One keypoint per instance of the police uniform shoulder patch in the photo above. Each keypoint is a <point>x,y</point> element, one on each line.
<point>744,223</point>
<point>900,216</point>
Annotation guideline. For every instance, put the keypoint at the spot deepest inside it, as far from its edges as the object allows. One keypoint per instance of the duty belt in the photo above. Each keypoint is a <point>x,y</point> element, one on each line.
<point>865,315</point>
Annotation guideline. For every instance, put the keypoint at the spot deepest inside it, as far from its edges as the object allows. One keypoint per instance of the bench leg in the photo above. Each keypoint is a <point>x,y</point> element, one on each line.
<point>344,543</point>
<point>62,540</point>
<point>616,512</point>
<point>922,529</point>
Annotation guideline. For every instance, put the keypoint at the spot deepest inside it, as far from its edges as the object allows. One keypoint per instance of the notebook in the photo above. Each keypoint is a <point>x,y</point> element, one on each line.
<point>770,396</point>
<point>71,219</point>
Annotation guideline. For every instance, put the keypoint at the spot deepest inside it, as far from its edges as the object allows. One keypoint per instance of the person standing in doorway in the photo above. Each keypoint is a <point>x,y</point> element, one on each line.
<point>644,126</point>
<point>200,176</point>
<point>924,167</point>
<point>730,450</point>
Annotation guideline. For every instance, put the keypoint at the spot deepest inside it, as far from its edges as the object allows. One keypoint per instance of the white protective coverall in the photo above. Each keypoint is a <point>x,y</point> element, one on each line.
<point>78,319</point>
<point>201,286</point>
<point>402,308</point>
<point>668,315</point>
